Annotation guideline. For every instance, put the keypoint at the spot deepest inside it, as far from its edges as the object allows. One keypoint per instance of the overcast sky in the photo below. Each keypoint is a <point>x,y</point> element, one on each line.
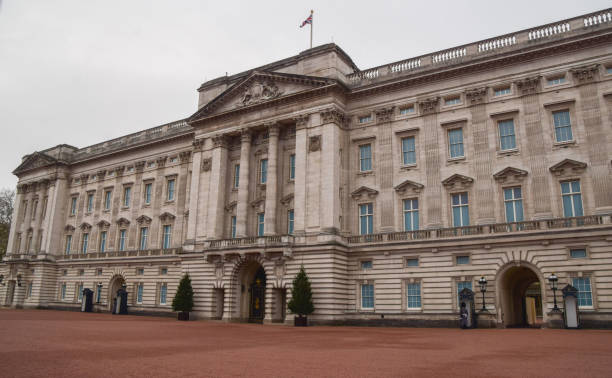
<point>83,71</point>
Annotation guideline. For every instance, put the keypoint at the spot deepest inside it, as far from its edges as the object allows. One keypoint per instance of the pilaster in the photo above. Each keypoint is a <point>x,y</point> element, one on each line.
<point>194,192</point>
<point>272,182</point>
<point>217,188</point>
<point>243,185</point>
<point>331,122</point>
<point>299,201</point>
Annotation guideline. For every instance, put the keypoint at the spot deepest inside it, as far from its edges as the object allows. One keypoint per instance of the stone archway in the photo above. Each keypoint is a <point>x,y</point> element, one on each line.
<point>248,291</point>
<point>520,293</point>
<point>115,283</point>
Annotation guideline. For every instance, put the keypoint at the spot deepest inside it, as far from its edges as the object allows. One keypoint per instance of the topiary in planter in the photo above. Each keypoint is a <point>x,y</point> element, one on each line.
<point>301,299</point>
<point>183,299</point>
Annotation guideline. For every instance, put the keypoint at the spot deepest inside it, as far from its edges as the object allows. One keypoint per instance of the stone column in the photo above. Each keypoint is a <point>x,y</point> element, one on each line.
<point>15,219</point>
<point>46,223</point>
<point>331,121</point>
<point>181,199</point>
<point>242,206</point>
<point>56,219</point>
<point>272,182</point>
<point>299,194</point>
<point>194,190</point>
<point>217,188</point>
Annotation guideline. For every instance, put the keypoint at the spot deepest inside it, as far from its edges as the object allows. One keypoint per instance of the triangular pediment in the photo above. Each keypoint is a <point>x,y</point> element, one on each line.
<point>103,224</point>
<point>510,173</point>
<point>143,219</point>
<point>122,222</point>
<point>34,161</point>
<point>408,186</point>
<point>364,191</point>
<point>568,166</point>
<point>286,200</point>
<point>457,180</point>
<point>166,217</point>
<point>85,226</point>
<point>260,87</point>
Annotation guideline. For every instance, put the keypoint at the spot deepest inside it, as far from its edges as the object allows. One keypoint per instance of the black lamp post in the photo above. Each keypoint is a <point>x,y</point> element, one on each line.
<point>483,289</point>
<point>553,284</point>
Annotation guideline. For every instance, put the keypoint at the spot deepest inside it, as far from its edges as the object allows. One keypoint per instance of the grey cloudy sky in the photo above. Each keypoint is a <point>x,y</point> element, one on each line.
<point>83,71</point>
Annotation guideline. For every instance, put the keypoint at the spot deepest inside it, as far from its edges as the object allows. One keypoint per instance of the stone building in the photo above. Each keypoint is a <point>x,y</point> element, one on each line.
<point>396,187</point>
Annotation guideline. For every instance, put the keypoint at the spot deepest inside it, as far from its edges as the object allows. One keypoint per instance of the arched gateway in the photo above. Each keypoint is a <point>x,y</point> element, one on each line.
<point>115,283</point>
<point>250,291</point>
<point>520,289</point>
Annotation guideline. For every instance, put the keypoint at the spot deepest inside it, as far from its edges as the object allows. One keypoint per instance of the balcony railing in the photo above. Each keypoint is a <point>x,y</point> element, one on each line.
<point>115,254</point>
<point>265,241</point>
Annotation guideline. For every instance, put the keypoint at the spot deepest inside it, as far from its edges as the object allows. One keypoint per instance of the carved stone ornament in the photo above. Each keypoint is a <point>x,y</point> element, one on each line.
<point>384,114</point>
<point>198,144</point>
<point>261,90</point>
<point>301,121</point>
<point>314,143</point>
<point>119,170</point>
<point>585,74</point>
<point>166,217</point>
<point>143,219</point>
<point>22,188</point>
<point>103,224</point>
<point>429,105</point>
<point>122,222</point>
<point>219,141</point>
<point>510,174</point>
<point>528,85</point>
<point>84,177</point>
<point>230,206</point>
<point>69,228</point>
<point>219,269</point>
<point>140,165</point>
<point>184,156</point>
<point>333,115</point>
<point>286,200</point>
<point>476,95</point>
<point>258,204</point>
<point>568,167</point>
<point>206,164</point>
<point>161,161</point>
<point>363,192</point>
<point>458,181</point>
<point>85,227</point>
<point>408,187</point>
<point>101,174</point>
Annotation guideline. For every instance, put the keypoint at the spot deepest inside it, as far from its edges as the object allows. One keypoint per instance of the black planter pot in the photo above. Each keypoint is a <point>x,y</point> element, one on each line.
<point>183,315</point>
<point>300,321</point>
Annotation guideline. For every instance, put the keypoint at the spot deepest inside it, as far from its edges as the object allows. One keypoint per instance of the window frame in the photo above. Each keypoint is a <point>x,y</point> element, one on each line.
<point>147,192</point>
<point>292,167</point>
<point>123,238</point>
<point>261,223</point>
<point>74,199</point>
<point>408,295</point>
<point>127,196</point>
<point>449,130</point>
<point>413,151</point>
<point>411,212</point>
<point>84,242</point>
<point>591,291</point>
<point>236,182</point>
<point>361,159</point>
<point>166,236</point>
<point>572,195</point>
<point>369,218</point>
<point>108,199</point>
<point>290,221</point>
<point>263,171</point>
<point>103,241</point>
<point>143,238</point>
<point>500,136</point>
<point>90,199</point>
<point>171,188</point>
<point>572,138</point>
<point>514,201</point>
<point>460,205</point>
<point>362,296</point>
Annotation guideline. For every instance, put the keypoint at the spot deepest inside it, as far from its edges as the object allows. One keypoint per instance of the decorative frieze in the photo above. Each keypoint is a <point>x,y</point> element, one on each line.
<point>429,105</point>
<point>198,144</point>
<point>585,74</point>
<point>85,227</point>
<point>476,95</point>
<point>301,121</point>
<point>103,224</point>
<point>528,85</point>
<point>161,161</point>
<point>119,170</point>
<point>122,222</point>
<point>333,115</point>
<point>408,187</point>
<point>184,156</point>
<point>166,217</point>
<point>143,219</point>
<point>139,165</point>
<point>384,114</point>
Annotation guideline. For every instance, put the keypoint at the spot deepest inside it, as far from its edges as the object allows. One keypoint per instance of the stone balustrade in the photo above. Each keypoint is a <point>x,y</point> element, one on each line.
<point>118,254</point>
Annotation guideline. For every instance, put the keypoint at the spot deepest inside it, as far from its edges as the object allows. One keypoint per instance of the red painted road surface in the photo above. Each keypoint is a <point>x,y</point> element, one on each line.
<point>39,343</point>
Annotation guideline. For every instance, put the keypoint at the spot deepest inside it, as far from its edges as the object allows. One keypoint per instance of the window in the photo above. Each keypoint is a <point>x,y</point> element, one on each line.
<point>163,271</point>
<point>507,138</point>
<point>167,236</point>
<point>408,151</point>
<point>103,241</point>
<point>263,171</point>
<point>107,200</point>
<point>81,272</point>
<point>578,253</point>
<point>513,202</point>
<point>572,199</point>
<point>79,289</point>
<point>455,143</point>
<point>462,260</point>
<point>365,157</point>
<point>413,295</point>
<point>150,164</point>
<point>367,296</point>
<point>260,224</point>
<point>236,175</point>
<point>460,286</point>
<point>585,297</point>
<point>366,264</point>
<point>139,291</point>
<point>64,272</point>
<point>163,293</point>
<point>29,291</point>
<point>147,193</point>
<point>233,226</point>
<point>609,70</point>
<point>412,262</point>
<point>68,243</point>
<point>73,206</point>
<point>563,126</point>
<point>170,187</point>
<point>99,292</point>
<point>139,271</point>
<point>98,272</point>
<point>122,239</point>
<point>292,167</point>
<point>90,200</point>
<point>63,291</point>
<point>365,119</point>
<point>452,100</point>
<point>144,233</point>
<point>366,219</point>
<point>556,80</point>
<point>502,91</point>
<point>290,218</point>
<point>406,110</point>
<point>127,192</point>
<point>411,214</point>
<point>85,242</point>
<point>459,205</point>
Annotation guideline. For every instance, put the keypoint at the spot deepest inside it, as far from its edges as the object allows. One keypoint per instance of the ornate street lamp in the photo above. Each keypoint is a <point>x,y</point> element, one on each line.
<point>553,284</point>
<point>483,289</point>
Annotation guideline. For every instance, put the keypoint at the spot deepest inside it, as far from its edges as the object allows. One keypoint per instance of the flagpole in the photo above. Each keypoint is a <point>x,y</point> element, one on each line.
<point>311,25</point>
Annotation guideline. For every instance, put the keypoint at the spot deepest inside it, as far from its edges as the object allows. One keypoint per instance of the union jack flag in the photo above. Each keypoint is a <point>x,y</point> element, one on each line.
<point>307,21</point>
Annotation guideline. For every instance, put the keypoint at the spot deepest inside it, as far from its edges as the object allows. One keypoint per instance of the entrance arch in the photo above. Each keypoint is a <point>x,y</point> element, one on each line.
<point>520,290</point>
<point>115,283</point>
<point>251,293</point>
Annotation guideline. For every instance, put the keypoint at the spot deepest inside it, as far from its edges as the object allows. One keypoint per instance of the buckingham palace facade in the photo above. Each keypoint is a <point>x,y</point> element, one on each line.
<point>395,187</point>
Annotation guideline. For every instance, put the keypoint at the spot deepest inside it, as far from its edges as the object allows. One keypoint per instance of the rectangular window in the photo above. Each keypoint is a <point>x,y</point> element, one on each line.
<point>263,171</point>
<point>556,80</point>
<point>73,206</point>
<point>462,260</point>
<point>367,296</point>
<point>107,200</point>
<point>163,293</point>
<point>63,291</point>
<point>408,151</point>
<point>99,293</point>
<point>80,292</point>
<point>365,119</point>
<point>68,243</point>
<point>455,143</point>
<point>163,271</point>
<point>452,101</point>
<point>292,167</point>
<point>563,126</point>
<point>507,138</point>
<point>147,193</point>
<point>411,214</point>
<point>460,286</point>
<point>29,291</point>
<point>170,192</point>
<point>290,218</point>
<point>139,271</point>
<point>236,175</point>
<point>127,193</point>
<point>572,199</point>
<point>461,216</point>
<point>502,91</point>
<point>85,242</point>
<point>103,241</point>
<point>233,225</point>
<point>585,297</point>
<point>167,236</point>
<point>122,239</point>
<point>260,224</point>
<point>609,70</point>
<point>513,202</point>
<point>366,219</point>
<point>144,234</point>
<point>412,262</point>
<point>365,157</point>
<point>139,292</point>
<point>406,110</point>
<point>366,264</point>
<point>578,253</point>
<point>90,200</point>
<point>413,295</point>
<point>98,272</point>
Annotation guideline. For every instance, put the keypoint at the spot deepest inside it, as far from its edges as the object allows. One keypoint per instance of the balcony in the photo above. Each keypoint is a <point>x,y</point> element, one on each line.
<point>251,241</point>
<point>119,254</point>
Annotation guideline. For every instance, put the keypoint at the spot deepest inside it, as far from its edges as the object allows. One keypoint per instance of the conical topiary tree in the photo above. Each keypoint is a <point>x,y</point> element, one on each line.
<point>183,299</point>
<point>301,297</point>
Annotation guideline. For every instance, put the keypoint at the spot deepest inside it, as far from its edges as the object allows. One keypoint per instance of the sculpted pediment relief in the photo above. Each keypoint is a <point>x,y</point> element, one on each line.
<point>143,219</point>
<point>510,174</point>
<point>363,192</point>
<point>409,186</point>
<point>166,217</point>
<point>103,224</point>
<point>85,226</point>
<point>69,228</point>
<point>457,181</point>
<point>34,161</point>
<point>286,200</point>
<point>230,206</point>
<point>568,166</point>
<point>122,222</point>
